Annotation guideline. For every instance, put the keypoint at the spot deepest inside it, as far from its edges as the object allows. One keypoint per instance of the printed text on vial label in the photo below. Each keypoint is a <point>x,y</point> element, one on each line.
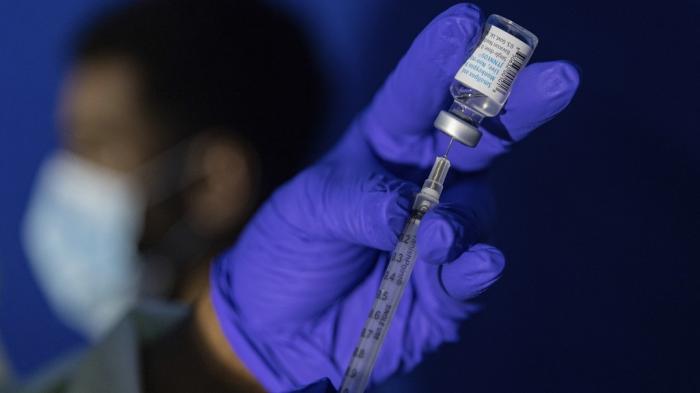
<point>494,64</point>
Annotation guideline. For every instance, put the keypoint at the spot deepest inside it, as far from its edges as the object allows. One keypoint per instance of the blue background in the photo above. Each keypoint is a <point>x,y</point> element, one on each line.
<point>599,211</point>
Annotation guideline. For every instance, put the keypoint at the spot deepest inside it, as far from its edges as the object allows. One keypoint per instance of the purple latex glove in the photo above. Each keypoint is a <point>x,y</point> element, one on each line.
<point>292,295</point>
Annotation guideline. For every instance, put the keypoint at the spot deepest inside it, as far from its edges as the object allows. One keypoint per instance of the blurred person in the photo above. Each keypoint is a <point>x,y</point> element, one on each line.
<point>177,118</point>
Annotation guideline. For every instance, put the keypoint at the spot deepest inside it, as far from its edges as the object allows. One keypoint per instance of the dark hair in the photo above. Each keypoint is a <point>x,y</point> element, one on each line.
<point>228,64</point>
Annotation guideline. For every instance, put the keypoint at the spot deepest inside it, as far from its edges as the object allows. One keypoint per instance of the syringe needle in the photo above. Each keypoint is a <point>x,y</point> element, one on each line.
<point>449,145</point>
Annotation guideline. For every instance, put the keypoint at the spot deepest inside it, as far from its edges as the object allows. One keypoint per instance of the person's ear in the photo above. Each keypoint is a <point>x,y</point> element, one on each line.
<point>221,200</point>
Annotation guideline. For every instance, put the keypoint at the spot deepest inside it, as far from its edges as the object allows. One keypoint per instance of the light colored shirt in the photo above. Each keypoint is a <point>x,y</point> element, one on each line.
<point>112,365</point>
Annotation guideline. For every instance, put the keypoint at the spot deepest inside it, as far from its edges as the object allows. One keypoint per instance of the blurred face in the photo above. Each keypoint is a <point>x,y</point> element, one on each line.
<point>190,212</point>
<point>103,118</point>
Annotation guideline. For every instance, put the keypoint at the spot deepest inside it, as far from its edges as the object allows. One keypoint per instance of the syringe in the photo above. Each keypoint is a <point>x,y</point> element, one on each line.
<point>396,276</point>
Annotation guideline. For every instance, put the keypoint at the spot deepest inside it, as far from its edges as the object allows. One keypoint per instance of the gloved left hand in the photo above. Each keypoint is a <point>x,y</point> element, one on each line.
<point>292,295</point>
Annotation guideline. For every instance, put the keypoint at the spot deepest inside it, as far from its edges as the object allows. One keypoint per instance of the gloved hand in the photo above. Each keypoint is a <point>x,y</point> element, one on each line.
<point>292,295</point>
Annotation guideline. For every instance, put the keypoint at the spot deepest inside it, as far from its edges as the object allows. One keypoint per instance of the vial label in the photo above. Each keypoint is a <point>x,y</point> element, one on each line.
<point>494,64</point>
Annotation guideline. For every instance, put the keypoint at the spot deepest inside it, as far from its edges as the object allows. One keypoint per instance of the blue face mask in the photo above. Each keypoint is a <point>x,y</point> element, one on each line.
<point>80,234</point>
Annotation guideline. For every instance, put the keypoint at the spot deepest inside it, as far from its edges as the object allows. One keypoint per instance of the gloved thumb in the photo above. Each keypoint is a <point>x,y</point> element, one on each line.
<point>337,203</point>
<point>445,233</point>
<point>463,217</point>
<point>472,272</point>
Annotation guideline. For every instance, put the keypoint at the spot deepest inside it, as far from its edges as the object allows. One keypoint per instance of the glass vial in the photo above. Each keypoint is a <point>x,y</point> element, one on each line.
<point>482,85</point>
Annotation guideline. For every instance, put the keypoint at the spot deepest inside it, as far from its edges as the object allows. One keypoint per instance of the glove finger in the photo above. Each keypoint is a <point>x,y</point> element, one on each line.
<point>446,232</point>
<point>473,272</point>
<point>540,92</point>
<point>398,123</point>
<point>332,202</point>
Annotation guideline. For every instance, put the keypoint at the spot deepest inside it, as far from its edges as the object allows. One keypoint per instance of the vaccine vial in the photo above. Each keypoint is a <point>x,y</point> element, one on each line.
<point>482,85</point>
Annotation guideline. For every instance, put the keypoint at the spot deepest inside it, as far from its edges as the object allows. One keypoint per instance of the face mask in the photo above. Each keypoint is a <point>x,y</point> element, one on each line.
<point>80,234</point>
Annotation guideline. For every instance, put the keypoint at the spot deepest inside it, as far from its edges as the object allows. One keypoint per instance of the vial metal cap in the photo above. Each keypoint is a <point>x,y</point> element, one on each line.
<point>457,128</point>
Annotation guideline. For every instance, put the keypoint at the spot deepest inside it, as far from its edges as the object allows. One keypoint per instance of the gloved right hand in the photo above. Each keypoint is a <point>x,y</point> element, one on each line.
<point>292,295</point>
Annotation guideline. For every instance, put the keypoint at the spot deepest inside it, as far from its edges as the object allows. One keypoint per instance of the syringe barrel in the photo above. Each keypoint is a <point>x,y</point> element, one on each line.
<point>393,284</point>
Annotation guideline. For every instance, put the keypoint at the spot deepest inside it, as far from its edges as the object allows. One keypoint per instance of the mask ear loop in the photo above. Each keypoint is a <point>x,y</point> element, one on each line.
<point>167,175</point>
<point>164,172</point>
